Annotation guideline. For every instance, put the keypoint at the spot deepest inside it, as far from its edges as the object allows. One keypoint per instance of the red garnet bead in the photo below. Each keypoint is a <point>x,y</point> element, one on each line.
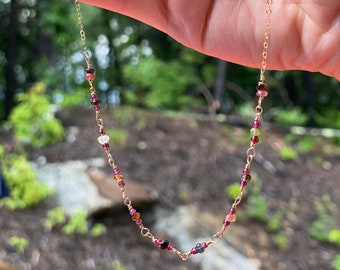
<point>255,139</point>
<point>90,74</point>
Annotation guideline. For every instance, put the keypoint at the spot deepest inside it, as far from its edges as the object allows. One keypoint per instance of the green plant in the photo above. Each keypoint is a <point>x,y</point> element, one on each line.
<point>118,137</point>
<point>282,241</point>
<point>336,262</point>
<point>258,208</point>
<point>323,228</point>
<point>76,224</point>
<point>32,119</point>
<point>275,221</point>
<point>55,216</point>
<point>19,243</point>
<point>118,265</point>
<point>232,191</point>
<point>334,237</point>
<point>287,153</point>
<point>306,144</point>
<point>25,190</point>
<point>98,229</point>
<point>293,116</point>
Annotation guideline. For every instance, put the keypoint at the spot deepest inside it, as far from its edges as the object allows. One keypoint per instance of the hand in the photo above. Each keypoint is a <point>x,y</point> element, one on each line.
<point>304,34</point>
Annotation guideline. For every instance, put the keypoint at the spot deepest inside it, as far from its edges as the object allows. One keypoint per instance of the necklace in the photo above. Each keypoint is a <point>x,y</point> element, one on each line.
<point>103,139</point>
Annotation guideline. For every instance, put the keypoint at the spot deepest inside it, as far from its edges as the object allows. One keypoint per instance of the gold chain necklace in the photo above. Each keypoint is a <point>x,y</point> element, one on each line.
<point>103,139</point>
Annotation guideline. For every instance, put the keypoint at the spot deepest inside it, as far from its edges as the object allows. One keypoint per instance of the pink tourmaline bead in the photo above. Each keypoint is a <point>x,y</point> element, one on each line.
<point>106,146</point>
<point>226,223</point>
<point>116,171</point>
<point>204,245</point>
<point>246,171</point>
<point>139,222</point>
<point>256,124</point>
<point>170,247</point>
<point>243,183</point>
<point>232,211</point>
<point>194,251</point>
<point>262,93</point>
<point>132,211</point>
<point>121,183</point>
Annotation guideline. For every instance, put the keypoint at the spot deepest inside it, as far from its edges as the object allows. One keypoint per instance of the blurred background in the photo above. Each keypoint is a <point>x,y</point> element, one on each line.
<point>140,71</point>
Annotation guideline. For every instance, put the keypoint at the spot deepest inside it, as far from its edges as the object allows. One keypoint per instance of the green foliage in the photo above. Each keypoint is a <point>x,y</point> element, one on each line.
<point>19,243</point>
<point>323,229</point>
<point>76,224</point>
<point>33,120</point>
<point>334,236</point>
<point>258,208</point>
<point>306,144</point>
<point>55,217</point>
<point>118,137</point>
<point>232,191</point>
<point>98,229</point>
<point>293,116</point>
<point>336,262</point>
<point>160,84</point>
<point>329,118</point>
<point>275,221</point>
<point>25,190</point>
<point>281,240</point>
<point>118,265</point>
<point>287,153</point>
<point>69,100</point>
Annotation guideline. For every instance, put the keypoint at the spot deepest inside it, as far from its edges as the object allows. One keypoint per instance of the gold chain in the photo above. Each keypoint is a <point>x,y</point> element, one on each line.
<point>266,40</point>
<point>118,177</point>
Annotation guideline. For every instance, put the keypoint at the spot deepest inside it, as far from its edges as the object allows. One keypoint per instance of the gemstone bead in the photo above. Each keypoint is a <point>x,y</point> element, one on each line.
<point>136,216</point>
<point>232,211</point>
<point>90,74</point>
<point>199,248</point>
<point>194,251</point>
<point>255,132</point>
<point>255,139</point>
<point>246,171</point>
<point>118,178</point>
<point>106,146</point>
<point>243,183</point>
<point>103,139</point>
<point>116,171</point>
<point>226,223</point>
<point>132,211</point>
<point>231,217</point>
<point>139,222</point>
<point>262,90</point>
<point>164,244</point>
<point>256,124</point>
<point>121,184</point>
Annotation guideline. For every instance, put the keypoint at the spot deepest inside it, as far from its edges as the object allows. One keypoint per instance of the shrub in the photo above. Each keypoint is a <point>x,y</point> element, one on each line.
<point>25,190</point>
<point>32,119</point>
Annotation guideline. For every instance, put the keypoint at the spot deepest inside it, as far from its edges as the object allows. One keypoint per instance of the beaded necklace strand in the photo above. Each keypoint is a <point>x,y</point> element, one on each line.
<point>103,139</point>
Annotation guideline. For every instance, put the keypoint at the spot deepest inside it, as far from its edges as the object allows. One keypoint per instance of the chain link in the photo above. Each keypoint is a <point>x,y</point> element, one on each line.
<point>266,40</point>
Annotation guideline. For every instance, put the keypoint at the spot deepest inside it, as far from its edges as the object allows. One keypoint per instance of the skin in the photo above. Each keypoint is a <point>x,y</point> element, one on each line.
<point>305,34</point>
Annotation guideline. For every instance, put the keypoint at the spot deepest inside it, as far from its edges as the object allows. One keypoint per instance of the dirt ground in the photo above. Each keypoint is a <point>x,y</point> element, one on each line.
<point>186,160</point>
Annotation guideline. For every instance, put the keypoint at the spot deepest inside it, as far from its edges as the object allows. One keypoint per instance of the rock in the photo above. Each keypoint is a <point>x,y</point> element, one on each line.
<point>187,231</point>
<point>81,185</point>
<point>109,189</point>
